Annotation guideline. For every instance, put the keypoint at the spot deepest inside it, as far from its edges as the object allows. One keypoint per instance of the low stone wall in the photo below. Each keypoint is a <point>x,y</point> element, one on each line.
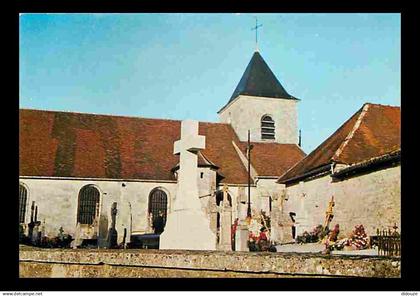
<point>164,263</point>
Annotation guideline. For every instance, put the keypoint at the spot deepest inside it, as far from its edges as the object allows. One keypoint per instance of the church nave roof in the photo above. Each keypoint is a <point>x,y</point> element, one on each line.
<point>68,144</point>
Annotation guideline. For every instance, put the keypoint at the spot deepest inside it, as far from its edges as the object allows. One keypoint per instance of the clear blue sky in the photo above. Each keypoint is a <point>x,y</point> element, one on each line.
<point>182,66</point>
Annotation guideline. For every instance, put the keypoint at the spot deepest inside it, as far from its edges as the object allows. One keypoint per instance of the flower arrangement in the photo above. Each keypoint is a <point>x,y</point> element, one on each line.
<point>358,240</point>
<point>259,233</point>
<point>317,234</point>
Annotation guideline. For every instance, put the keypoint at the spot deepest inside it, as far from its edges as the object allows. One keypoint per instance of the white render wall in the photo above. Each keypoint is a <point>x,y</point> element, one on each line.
<point>245,114</point>
<point>373,200</point>
<point>57,201</point>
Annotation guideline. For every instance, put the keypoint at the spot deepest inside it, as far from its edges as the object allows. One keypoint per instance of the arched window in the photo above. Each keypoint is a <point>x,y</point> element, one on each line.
<point>158,204</point>
<point>88,204</point>
<point>23,196</point>
<point>267,128</point>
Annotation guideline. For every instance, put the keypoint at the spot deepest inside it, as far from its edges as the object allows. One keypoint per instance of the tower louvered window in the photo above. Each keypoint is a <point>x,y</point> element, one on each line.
<point>23,196</point>
<point>267,128</point>
<point>158,204</point>
<point>88,204</point>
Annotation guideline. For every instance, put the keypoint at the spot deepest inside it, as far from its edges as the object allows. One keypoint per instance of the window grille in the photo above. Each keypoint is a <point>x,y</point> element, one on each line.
<point>267,128</point>
<point>88,204</point>
<point>23,194</point>
<point>158,202</point>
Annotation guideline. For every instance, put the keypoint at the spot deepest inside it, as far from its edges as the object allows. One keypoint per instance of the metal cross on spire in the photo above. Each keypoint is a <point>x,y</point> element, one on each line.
<point>256,32</point>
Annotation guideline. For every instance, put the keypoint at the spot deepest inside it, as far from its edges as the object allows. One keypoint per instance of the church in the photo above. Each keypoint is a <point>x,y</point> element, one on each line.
<point>89,173</point>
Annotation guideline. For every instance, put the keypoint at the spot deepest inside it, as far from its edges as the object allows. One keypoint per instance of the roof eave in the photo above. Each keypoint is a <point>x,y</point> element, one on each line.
<point>235,99</point>
<point>387,160</point>
<point>313,172</point>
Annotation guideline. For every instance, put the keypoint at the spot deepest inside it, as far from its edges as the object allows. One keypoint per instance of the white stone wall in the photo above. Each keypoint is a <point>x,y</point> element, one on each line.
<point>373,200</point>
<point>245,114</point>
<point>57,201</point>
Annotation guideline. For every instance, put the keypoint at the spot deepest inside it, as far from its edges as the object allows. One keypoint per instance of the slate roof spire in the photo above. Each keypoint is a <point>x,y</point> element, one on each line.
<point>258,80</point>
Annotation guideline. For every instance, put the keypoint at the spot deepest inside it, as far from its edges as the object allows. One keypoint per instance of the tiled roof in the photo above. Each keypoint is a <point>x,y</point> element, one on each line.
<point>258,80</point>
<point>372,131</point>
<point>263,154</point>
<point>67,144</point>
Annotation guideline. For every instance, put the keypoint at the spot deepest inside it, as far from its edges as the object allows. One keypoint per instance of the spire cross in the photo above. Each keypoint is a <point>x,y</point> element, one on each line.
<point>256,31</point>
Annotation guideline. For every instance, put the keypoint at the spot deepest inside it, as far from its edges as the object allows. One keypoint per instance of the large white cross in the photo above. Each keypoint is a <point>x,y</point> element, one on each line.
<point>190,139</point>
<point>188,227</point>
<point>187,148</point>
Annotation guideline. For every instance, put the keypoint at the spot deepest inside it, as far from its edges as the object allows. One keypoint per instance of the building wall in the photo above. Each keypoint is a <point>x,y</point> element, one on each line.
<point>57,201</point>
<point>245,114</point>
<point>373,200</point>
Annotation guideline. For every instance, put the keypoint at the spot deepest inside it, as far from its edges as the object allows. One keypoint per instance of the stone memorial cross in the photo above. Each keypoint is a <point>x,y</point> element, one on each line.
<point>188,227</point>
<point>225,242</point>
<point>187,148</point>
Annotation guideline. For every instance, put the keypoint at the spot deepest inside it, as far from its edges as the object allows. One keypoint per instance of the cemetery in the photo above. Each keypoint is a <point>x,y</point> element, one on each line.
<point>123,196</point>
<point>187,247</point>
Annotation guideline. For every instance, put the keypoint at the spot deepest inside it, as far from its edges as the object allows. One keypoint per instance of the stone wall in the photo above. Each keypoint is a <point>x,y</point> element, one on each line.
<point>161,263</point>
<point>57,201</point>
<point>373,200</point>
<point>245,114</point>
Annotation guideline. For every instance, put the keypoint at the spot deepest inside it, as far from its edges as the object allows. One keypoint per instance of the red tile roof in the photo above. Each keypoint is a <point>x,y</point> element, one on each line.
<point>67,144</point>
<point>372,131</point>
<point>265,157</point>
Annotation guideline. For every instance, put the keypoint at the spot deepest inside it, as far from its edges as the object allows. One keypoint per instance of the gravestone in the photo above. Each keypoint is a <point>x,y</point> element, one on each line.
<point>112,232</point>
<point>188,227</point>
<point>225,242</point>
<point>34,226</point>
<point>242,231</point>
<point>31,224</point>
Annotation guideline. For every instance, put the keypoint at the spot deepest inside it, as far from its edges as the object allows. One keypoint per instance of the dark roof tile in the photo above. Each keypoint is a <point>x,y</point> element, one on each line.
<point>258,80</point>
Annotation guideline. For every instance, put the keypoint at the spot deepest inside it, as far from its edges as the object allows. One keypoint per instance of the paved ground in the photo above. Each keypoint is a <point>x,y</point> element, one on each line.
<point>301,248</point>
<point>367,252</point>
<point>318,248</point>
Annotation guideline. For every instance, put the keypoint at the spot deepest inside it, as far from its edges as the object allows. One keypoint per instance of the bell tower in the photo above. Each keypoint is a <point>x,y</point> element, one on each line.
<point>261,104</point>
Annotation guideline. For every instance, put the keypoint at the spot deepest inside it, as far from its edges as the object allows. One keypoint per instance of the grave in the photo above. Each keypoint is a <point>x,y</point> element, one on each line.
<point>112,232</point>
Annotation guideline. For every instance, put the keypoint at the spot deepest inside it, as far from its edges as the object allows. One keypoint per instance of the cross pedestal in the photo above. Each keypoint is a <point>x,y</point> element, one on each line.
<point>187,226</point>
<point>225,242</point>
<point>242,232</point>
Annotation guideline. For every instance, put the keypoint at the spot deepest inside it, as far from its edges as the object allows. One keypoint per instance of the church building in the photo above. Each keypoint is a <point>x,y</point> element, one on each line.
<point>357,170</point>
<point>87,173</point>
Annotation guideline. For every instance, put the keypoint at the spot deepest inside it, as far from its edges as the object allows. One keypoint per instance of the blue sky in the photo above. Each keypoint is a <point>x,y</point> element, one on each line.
<point>180,66</point>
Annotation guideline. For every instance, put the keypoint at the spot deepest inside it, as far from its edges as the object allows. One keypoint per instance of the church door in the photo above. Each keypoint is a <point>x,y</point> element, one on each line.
<point>158,204</point>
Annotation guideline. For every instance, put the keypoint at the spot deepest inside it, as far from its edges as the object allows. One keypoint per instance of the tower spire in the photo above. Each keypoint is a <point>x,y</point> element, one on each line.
<point>256,32</point>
